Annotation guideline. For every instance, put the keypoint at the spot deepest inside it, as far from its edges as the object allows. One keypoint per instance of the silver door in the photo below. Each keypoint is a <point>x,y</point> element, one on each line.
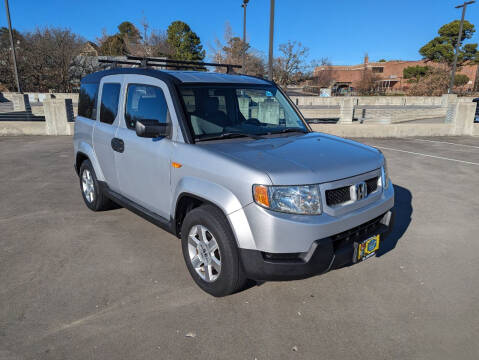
<point>144,166</point>
<point>104,132</point>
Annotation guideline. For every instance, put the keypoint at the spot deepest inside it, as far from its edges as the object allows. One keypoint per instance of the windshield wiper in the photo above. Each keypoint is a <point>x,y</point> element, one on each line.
<point>229,135</point>
<point>289,130</point>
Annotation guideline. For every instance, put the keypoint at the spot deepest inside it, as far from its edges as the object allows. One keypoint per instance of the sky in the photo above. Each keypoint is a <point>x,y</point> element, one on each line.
<point>340,30</point>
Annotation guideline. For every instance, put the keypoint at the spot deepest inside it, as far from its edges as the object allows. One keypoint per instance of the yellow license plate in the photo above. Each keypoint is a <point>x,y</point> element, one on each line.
<point>366,248</point>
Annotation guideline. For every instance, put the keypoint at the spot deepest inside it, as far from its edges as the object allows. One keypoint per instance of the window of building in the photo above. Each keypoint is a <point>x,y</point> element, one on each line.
<point>145,102</point>
<point>87,101</point>
<point>378,69</point>
<point>110,96</point>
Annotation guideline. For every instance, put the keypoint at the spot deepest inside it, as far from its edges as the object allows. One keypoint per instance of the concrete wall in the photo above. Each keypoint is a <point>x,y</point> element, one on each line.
<point>393,130</point>
<point>376,100</point>
<point>22,128</point>
<point>460,115</point>
<point>58,115</point>
<point>475,130</point>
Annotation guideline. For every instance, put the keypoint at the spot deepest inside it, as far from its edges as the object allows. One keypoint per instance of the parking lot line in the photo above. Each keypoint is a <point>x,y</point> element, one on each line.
<point>427,155</point>
<point>444,142</point>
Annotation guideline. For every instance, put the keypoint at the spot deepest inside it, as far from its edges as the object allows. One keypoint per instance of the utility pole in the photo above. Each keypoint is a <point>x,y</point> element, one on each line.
<point>271,31</point>
<point>458,43</point>
<point>245,3</point>
<point>12,44</point>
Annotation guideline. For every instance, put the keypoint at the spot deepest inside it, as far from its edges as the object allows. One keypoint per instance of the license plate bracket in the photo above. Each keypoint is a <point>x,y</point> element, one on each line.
<point>365,249</point>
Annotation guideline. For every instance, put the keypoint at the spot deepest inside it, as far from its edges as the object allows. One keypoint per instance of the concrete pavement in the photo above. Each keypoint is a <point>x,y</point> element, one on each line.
<point>81,285</point>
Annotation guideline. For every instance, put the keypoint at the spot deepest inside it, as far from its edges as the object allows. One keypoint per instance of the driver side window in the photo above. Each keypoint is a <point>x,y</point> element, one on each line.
<point>145,102</point>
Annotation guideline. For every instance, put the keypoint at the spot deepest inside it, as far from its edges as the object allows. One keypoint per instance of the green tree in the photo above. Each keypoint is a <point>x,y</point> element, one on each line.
<point>460,79</point>
<point>441,48</point>
<point>382,60</point>
<point>415,73</point>
<point>129,32</point>
<point>185,44</point>
<point>114,45</point>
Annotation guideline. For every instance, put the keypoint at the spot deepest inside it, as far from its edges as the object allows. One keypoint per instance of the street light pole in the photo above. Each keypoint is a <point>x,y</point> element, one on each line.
<point>458,42</point>
<point>12,44</point>
<point>271,31</point>
<point>245,3</point>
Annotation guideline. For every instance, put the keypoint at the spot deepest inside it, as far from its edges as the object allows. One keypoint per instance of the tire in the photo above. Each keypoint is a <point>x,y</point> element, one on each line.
<point>94,198</point>
<point>230,278</point>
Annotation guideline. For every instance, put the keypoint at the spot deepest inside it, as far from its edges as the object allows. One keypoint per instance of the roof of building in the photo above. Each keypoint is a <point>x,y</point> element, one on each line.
<point>180,76</point>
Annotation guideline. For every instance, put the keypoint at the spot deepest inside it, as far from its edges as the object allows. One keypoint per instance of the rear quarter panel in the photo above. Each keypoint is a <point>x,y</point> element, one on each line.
<point>83,142</point>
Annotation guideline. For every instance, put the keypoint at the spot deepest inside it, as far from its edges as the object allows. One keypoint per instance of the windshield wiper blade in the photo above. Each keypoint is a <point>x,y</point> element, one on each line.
<point>229,135</point>
<point>289,130</point>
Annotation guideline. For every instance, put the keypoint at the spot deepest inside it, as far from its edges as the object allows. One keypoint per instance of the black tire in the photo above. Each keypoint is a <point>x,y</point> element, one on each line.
<point>100,202</point>
<point>231,277</point>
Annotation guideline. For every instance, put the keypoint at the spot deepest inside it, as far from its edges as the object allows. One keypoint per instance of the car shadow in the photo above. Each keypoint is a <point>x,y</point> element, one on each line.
<point>402,219</point>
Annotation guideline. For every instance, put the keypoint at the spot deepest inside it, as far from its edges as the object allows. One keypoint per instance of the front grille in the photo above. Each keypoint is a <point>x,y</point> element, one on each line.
<point>355,233</point>
<point>372,184</point>
<point>341,195</point>
<point>338,196</point>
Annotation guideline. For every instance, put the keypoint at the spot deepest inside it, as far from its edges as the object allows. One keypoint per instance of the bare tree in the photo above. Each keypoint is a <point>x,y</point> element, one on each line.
<point>322,72</point>
<point>47,55</point>
<point>290,67</point>
<point>231,52</point>
<point>368,85</point>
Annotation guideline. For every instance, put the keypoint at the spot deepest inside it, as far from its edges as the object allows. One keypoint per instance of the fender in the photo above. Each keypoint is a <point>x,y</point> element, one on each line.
<point>224,199</point>
<point>87,149</point>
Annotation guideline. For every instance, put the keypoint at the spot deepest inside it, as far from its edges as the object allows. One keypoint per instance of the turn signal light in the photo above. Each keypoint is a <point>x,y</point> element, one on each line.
<point>261,195</point>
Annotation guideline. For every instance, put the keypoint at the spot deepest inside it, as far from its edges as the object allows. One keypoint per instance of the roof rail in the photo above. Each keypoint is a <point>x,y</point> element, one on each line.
<point>168,63</point>
<point>144,64</point>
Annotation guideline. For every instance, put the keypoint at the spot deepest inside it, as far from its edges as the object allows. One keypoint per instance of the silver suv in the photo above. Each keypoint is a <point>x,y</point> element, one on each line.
<point>228,165</point>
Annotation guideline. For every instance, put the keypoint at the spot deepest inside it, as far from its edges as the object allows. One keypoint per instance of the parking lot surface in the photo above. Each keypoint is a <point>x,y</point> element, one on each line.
<point>81,285</point>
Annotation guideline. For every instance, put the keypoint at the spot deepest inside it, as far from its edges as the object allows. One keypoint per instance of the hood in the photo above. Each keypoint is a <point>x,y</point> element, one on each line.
<point>301,159</point>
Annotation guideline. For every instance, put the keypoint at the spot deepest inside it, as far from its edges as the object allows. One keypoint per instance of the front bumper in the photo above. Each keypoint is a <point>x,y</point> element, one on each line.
<point>325,254</point>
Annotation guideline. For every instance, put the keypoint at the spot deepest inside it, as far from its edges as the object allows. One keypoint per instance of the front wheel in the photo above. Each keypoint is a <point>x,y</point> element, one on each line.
<point>210,251</point>
<point>92,194</point>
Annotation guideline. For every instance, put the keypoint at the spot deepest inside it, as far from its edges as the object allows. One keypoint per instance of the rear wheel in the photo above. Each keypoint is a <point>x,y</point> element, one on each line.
<point>93,196</point>
<point>210,251</point>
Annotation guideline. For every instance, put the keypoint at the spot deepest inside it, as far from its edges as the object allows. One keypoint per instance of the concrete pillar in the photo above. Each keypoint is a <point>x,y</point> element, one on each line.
<point>243,103</point>
<point>58,116</point>
<point>346,110</point>
<point>20,102</point>
<point>448,99</point>
<point>462,115</point>
<point>268,112</point>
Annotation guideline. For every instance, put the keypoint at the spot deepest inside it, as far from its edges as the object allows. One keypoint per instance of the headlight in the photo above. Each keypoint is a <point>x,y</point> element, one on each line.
<point>384,175</point>
<point>301,199</point>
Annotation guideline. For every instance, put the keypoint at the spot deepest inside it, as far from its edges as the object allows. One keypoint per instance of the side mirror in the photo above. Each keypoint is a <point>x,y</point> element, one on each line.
<point>151,128</point>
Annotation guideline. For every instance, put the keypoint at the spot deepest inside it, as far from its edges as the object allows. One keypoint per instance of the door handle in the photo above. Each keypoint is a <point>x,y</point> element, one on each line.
<point>117,145</point>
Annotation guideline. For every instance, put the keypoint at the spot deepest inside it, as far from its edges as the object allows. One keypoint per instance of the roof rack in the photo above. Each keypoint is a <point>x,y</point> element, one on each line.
<point>168,63</point>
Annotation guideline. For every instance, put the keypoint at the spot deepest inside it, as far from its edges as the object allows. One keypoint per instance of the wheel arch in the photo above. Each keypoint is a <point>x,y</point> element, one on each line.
<point>194,192</point>
<point>85,151</point>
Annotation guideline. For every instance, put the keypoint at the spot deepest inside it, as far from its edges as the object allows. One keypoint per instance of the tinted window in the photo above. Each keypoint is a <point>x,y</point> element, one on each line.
<point>145,102</point>
<point>109,102</point>
<point>87,101</point>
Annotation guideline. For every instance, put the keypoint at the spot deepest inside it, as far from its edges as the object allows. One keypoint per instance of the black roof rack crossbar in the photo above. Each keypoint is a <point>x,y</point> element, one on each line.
<point>145,64</point>
<point>196,64</point>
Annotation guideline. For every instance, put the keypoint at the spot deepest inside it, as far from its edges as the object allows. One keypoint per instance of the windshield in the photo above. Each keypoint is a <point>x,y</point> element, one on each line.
<point>215,112</point>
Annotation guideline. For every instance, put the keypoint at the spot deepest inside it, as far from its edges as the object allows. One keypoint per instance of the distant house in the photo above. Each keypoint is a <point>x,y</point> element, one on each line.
<point>90,49</point>
<point>390,74</point>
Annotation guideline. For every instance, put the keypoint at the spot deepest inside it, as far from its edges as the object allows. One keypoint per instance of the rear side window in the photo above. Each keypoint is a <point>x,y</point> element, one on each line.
<point>87,102</point>
<point>145,102</point>
<point>110,96</point>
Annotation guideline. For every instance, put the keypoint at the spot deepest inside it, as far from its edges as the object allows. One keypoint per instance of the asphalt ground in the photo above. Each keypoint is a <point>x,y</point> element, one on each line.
<point>81,285</point>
